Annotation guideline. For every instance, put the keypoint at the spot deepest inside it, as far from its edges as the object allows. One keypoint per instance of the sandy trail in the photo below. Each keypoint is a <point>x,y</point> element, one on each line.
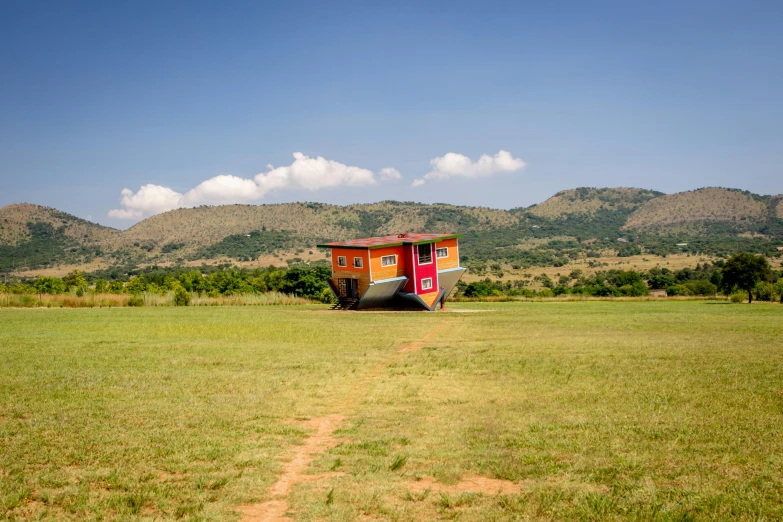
<point>293,471</point>
<point>275,509</point>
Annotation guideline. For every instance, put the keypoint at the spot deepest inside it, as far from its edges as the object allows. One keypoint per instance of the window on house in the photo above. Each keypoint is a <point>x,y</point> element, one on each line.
<point>426,284</point>
<point>389,260</point>
<point>342,261</point>
<point>442,252</point>
<point>425,254</point>
<point>357,262</point>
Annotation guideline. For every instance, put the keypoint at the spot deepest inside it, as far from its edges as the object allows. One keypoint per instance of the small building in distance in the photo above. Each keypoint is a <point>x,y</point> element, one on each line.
<point>780,249</point>
<point>397,271</point>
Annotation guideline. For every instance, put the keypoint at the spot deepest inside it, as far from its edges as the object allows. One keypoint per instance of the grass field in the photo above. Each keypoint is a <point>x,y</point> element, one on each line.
<point>525,411</point>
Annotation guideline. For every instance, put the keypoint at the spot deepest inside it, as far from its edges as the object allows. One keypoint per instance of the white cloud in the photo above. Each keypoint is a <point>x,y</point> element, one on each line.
<point>457,165</point>
<point>223,189</point>
<point>389,174</point>
<point>418,183</point>
<point>313,174</point>
<point>121,213</point>
<point>150,199</point>
<point>304,173</point>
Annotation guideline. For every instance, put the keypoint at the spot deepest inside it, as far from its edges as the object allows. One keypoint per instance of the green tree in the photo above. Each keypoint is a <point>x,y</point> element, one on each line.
<point>629,277</point>
<point>701,287</point>
<point>49,285</point>
<point>21,288</point>
<point>75,279</point>
<point>546,282</point>
<point>659,281</point>
<point>101,286</point>
<point>305,282</point>
<point>181,296</point>
<point>743,271</point>
<point>136,285</point>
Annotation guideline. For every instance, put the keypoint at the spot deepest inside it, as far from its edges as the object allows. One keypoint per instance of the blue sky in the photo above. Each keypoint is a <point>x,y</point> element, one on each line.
<point>101,97</point>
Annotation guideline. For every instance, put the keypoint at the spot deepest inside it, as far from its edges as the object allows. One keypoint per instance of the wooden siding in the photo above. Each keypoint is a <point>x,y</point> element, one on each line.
<point>363,278</point>
<point>349,254</point>
<point>431,297</point>
<point>380,272</point>
<point>452,260</point>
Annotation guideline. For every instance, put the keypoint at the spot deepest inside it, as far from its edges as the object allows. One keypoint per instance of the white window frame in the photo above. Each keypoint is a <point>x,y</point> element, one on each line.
<point>344,260</point>
<point>429,280</point>
<point>418,255</point>
<point>386,258</point>
<point>360,260</point>
<point>438,250</point>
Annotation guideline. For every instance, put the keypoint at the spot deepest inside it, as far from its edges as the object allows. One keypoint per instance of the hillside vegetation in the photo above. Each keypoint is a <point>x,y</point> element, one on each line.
<point>704,205</point>
<point>591,200</point>
<point>14,229</point>
<point>572,223</point>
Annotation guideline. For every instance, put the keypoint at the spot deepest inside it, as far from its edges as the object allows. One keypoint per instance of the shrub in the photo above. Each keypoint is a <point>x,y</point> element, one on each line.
<point>20,289</point>
<point>674,290</point>
<point>636,289</point>
<point>327,296</point>
<point>480,289</point>
<point>136,300</point>
<point>738,297</point>
<point>181,297</point>
<point>603,291</point>
<point>765,291</point>
<point>640,289</point>
<point>701,287</point>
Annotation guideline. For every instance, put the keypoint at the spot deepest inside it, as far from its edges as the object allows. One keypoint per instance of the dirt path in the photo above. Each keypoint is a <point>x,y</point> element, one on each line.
<point>293,471</point>
<point>274,510</point>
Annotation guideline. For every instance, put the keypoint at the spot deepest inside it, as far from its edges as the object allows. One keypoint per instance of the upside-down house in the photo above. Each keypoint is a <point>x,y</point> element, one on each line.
<point>397,271</point>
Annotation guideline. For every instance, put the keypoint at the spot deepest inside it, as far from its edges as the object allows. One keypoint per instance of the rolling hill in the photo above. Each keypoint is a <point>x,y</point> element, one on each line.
<point>707,205</point>
<point>570,223</point>
<point>587,200</point>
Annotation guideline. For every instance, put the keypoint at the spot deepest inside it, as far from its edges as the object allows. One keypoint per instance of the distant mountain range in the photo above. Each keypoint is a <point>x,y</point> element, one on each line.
<point>582,221</point>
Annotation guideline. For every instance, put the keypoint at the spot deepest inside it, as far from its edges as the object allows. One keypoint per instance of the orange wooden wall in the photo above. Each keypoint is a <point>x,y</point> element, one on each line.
<point>452,260</point>
<point>349,254</point>
<point>380,272</point>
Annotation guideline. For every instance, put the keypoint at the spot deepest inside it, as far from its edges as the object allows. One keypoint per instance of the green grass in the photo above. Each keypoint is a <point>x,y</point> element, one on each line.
<point>600,410</point>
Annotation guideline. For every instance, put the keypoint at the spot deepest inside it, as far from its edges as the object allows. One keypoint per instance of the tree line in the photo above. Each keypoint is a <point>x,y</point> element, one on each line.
<point>746,273</point>
<point>304,281</point>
